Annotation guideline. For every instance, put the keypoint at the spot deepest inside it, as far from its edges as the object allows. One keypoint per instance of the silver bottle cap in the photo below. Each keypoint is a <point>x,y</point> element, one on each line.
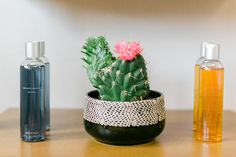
<point>34,49</point>
<point>203,49</point>
<point>212,51</point>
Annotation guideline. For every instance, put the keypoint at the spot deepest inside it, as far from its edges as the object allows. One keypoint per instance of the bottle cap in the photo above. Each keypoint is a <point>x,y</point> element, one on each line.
<point>34,49</point>
<point>203,49</point>
<point>212,51</point>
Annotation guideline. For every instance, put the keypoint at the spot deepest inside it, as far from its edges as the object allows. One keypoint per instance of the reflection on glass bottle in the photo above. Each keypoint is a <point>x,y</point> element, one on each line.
<point>32,109</point>
<point>209,128</point>
<point>196,85</point>
<point>47,84</point>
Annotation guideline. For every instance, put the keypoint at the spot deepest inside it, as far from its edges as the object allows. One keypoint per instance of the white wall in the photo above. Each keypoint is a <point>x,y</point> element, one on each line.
<point>169,30</point>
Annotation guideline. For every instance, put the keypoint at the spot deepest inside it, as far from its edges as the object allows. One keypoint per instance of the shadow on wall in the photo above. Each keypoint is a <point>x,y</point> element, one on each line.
<point>142,8</point>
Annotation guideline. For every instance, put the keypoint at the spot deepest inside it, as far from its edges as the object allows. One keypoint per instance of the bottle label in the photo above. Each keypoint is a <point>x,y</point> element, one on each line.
<point>29,89</point>
<point>34,130</point>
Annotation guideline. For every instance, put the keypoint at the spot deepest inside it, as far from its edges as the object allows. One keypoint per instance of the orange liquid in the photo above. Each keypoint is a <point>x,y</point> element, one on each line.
<point>196,95</point>
<point>209,117</point>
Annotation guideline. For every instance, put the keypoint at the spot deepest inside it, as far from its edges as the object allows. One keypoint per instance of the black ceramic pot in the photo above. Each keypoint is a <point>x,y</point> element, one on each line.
<point>105,126</point>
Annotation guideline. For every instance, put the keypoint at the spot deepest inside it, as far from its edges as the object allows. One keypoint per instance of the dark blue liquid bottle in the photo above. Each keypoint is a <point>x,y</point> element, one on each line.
<point>47,84</point>
<point>32,97</point>
<point>32,103</point>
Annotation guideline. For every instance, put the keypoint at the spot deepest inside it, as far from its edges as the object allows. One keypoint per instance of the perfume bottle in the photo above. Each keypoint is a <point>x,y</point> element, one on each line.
<point>196,84</point>
<point>47,84</point>
<point>32,95</point>
<point>211,86</point>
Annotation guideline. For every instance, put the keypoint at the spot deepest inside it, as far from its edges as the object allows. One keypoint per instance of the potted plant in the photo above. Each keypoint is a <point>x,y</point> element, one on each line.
<point>123,110</point>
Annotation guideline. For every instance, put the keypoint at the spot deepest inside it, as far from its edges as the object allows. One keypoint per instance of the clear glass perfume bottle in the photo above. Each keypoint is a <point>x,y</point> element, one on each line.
<point>196,84</point>
<point>32,97</point>
<point>47,84</point>
<point>211,86</point>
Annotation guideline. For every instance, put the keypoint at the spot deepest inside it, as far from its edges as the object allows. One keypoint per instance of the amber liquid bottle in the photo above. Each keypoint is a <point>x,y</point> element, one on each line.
<point>211,87</point>
<point>196,85</point>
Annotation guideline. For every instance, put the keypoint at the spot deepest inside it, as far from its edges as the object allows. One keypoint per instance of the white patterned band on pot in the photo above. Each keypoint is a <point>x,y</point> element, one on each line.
<point>125,114</point>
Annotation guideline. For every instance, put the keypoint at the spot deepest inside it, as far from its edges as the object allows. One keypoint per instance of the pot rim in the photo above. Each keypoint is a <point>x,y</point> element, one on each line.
<point>160,94</point>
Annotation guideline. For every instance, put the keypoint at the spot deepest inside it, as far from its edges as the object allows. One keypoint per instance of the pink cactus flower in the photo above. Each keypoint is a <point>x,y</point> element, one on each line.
<point>128,50</point>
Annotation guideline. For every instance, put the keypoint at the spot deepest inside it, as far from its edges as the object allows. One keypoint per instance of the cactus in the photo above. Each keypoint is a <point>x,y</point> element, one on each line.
<point>97,57</point>
<point>117,79</point>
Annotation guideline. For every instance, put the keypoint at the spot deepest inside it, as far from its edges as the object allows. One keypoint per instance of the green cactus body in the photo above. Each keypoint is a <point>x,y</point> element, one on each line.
<point>115,79</point>
<point>128,81</point>
<point>97,57</point>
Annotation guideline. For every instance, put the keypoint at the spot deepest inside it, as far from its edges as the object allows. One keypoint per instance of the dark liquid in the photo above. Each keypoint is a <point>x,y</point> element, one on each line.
<point>47,95</point>
<point>32,109</point>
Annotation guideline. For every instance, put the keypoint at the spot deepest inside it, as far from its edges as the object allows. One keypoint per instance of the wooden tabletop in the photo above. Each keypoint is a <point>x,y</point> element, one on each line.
<point>68,138</point>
